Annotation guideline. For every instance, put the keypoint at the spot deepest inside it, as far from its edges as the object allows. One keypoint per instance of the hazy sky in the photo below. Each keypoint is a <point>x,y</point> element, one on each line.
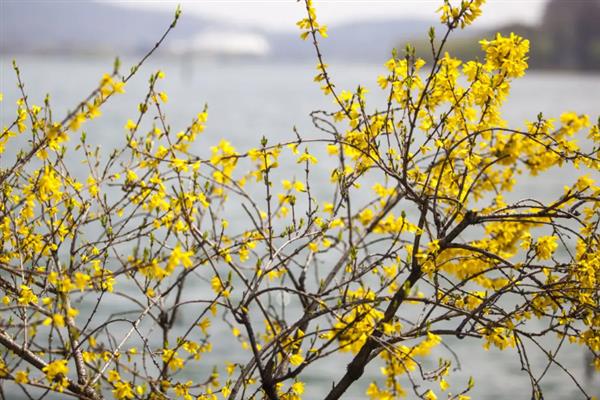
<point>282,14</point>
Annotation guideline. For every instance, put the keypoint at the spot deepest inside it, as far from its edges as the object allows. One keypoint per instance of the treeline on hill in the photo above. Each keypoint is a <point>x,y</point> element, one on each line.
<point>567,38</point>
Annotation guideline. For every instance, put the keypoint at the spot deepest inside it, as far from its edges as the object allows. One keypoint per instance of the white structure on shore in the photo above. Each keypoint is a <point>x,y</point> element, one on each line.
<point>223,43</point>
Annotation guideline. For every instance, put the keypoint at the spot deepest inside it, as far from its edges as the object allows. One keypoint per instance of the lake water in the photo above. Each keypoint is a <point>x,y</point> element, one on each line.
<point>249,99</point>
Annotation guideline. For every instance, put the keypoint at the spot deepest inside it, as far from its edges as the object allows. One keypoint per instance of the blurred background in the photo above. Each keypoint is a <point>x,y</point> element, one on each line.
<point>565,34</point>
<point>246,60</point>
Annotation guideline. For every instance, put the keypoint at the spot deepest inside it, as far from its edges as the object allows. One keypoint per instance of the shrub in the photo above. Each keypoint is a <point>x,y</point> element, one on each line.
<point>417,241</point>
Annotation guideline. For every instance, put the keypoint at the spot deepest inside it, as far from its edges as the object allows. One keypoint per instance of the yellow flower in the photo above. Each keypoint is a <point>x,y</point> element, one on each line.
<point>444,385</point>
<point>179,164</point>
<point>92,186</point>
<point>55,368</point>
<point>131,176</point>
<point>216,284</point>
<point>296,359</point>
<point>179,257</point>
<point>584,182</point>
<point>172,359</point>
<point>307,157</point>
<point>182,389</point>
<point>113,376</point>
<point>123,390</point>
<point>298,387</point>
<point>130,125</point>
<point>82,280</point>
<point>56,372</point>
<point>56,319</point>
<point>76,121</point>
<point>22,377</point>
<point>225,391</point>
<point>27,296</point>
<point>546,245</point>
<point>88,356</point>
<point>430,395</point>
<point>93,110</point>
<point>507,54</point>
<point>118,87</point>
<point>287,185</point>
<point>49,184</point>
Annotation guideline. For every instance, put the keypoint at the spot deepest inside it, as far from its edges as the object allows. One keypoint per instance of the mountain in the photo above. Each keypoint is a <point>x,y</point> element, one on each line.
<point>35,26</point>
<point>570,35</point>
<point>91,27</point>
<point>361,41</point>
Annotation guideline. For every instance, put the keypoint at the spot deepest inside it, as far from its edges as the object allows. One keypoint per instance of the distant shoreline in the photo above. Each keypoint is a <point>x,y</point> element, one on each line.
<point>109,56</point>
